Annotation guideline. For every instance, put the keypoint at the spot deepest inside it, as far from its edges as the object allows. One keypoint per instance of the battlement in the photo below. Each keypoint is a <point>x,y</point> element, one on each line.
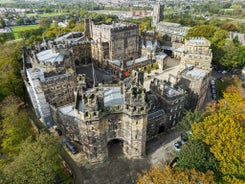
<point>198,42</point>
<point>164,89</point>
<point>116,27</point>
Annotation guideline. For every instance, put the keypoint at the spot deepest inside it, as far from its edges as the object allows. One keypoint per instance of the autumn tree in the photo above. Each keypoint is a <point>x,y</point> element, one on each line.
<point>223,131</point>
<point>35,162</point>
<point>170,175</point>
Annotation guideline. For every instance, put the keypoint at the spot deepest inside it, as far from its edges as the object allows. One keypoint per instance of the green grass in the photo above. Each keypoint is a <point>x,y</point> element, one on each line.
<point>17,29</point>
<point>52,14</point>
<point>47,14</point>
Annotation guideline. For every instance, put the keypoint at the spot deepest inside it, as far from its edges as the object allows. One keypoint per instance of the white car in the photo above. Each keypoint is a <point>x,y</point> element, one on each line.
<point>177,145</point>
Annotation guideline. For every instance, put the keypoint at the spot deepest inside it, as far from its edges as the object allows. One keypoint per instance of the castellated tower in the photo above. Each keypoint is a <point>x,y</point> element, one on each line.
<point>135,116</point>
<point>106,114</point>
<point>157,16</point>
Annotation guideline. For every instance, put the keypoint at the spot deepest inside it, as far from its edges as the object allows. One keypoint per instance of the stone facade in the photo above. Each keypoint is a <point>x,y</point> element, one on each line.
<point>172,34</point>
<point>99,121</point>
<point>173,99</point>
<point>157,16</point>
<point>195,70</point>
<point>96,115</point>
<point>196,53</point>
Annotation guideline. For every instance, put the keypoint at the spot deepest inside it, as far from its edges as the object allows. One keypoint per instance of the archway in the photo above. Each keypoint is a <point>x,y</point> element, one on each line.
<point>115,148</point>
<point>76,62</point>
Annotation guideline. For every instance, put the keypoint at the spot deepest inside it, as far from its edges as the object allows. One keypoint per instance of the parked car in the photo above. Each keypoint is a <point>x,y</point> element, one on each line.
<point>58,131</point>
<point>224,72</point>
<point>177,146</point>
<point>214,96</point>
<point>213,86</point>
<point>212,82</point>
<point>213,90</point>
<point>184,138</point>
<point>71,147</point>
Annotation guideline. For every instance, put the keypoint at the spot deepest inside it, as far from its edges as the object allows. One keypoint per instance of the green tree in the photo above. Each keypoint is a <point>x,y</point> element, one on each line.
<point>148,69</point>
<point>206,31</point>
<point>10,78</point>
<point>196,155</point>
<point>71,23</point>
<point>79,27</point>
<point>15,125</point>
<point>35,162</point>
<point>44,23</point>
<point>231,55</point>
<point>189,119</point>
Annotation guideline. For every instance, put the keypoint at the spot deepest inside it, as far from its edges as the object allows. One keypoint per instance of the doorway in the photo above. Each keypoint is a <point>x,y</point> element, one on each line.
<point>115,148</point>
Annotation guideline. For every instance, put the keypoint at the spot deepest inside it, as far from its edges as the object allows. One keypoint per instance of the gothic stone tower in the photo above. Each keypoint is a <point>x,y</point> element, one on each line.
<point>102,119</point>
<point>157,16</point>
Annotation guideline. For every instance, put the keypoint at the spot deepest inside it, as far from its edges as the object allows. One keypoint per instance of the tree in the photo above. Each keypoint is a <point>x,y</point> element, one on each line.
<point>206,31</point>
<point>229,27</point>
<point>223,131</point>
<point>196,155</point>
<point>148,69</point>
<point>79,27</point>
<point>10,80</point>
<point>230,57</point>
<point>71,23</point>
<point>15,125</point>
<point>44,23</point>
<point>189,119</point>
<point>225,137</point>
<point>170,175</point>
<point>35,162</point>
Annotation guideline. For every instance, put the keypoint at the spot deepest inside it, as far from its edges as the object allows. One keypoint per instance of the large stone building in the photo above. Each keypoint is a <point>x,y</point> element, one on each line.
<point>100,113</point>
<point>158,13</point>
<point>195,71</point>
<point>172,34</point>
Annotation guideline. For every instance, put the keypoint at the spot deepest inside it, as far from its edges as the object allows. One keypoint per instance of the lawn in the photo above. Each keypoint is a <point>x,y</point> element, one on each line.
<point>17,29</point>
<point>47,14</point>
<point>52,14</point>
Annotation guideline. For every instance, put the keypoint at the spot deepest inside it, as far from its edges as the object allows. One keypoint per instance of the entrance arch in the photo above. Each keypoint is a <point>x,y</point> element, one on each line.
<point>76,62</point>
<point>115,148</point>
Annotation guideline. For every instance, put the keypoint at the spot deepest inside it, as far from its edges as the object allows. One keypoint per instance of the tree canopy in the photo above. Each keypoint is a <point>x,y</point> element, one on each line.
<point>35,162</point>
<point>10,79</point>
<point>15,125</point>
<point>170,175</point>
<point>223,131</point>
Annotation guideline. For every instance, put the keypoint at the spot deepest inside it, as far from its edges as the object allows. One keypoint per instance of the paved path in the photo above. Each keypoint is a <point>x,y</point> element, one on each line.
<point>120,170</point>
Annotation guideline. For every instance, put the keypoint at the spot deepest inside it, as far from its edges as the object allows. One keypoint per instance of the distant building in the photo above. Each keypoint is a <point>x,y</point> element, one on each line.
<point>239,36</point>
<point>172,34</point>
<point>158,11</point>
